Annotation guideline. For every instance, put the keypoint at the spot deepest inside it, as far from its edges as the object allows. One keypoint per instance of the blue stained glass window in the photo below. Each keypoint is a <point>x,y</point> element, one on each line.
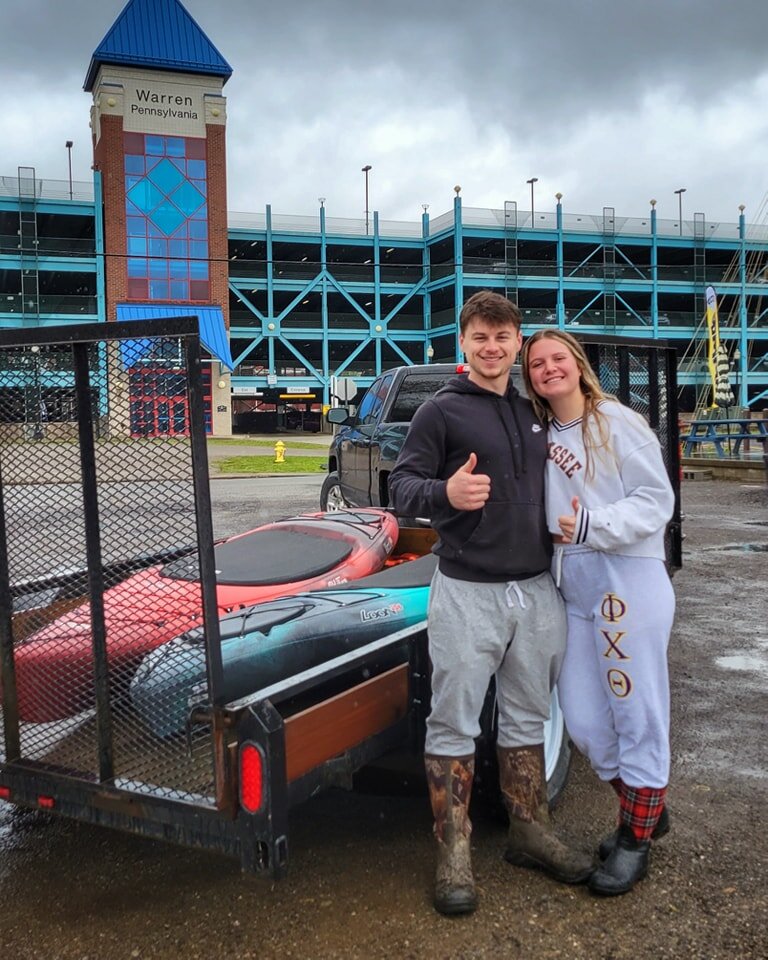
<point>158,268</point>
<point>134,164</point>
<point>198,269</point>
<point>137,246</point>
<point>158,248</point>
<point>137,268</point>
<point>167,218</point>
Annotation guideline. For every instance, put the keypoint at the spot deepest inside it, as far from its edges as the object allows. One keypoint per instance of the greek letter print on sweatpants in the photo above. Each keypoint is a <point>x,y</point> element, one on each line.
<point>614,686</point>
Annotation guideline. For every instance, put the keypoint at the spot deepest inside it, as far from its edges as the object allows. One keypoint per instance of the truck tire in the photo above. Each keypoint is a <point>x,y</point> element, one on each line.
<point>558,751</point>
<point>331,499</point>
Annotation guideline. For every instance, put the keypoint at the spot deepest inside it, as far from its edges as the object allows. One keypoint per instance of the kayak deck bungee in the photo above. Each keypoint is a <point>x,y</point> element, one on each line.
<point>54,666</point>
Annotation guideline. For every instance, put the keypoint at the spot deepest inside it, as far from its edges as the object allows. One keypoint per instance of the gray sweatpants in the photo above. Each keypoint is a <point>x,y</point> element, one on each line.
<point>514,631</point>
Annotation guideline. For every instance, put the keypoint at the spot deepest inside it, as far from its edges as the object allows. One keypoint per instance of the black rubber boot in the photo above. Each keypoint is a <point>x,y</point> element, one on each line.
<point>450,789</point>
<point>532,840</point>
<point>625,866</point>
<point>660,830</point>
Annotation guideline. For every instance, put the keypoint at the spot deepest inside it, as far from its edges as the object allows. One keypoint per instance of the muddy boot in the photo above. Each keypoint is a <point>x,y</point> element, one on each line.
<point>532,841</point>
<point>660,830</point>
<point>627,864</point>
<point>450,787</point>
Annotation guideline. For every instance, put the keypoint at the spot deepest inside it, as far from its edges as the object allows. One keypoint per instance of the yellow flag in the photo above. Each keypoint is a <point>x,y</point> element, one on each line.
<point>713,347</point>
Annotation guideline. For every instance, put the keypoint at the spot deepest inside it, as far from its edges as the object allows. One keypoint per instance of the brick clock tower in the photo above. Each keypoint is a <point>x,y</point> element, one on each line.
<point>159,141</point>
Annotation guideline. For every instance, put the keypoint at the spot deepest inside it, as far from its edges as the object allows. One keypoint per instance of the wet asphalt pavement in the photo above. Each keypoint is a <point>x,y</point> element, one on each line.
<point>361,864</point>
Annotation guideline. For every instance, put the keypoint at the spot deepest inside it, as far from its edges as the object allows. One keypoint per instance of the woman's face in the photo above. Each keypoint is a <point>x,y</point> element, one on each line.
<point>552,369</point>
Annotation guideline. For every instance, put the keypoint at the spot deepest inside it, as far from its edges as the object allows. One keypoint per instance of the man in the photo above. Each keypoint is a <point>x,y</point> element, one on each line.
<point>473,461</point>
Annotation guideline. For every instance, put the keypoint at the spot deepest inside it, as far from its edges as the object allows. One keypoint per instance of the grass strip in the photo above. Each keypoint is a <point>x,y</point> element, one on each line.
<point>266,464</point>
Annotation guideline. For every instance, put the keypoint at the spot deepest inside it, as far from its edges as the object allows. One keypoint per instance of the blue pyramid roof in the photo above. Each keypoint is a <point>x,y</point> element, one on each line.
<point>157,35</point>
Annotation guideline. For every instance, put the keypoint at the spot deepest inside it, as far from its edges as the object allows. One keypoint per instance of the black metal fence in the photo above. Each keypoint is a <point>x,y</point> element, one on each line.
<point>95,497</point>
<point>644,377</point>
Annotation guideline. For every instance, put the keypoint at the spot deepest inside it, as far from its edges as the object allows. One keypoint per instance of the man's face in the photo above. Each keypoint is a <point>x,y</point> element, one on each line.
<point>490,351</point>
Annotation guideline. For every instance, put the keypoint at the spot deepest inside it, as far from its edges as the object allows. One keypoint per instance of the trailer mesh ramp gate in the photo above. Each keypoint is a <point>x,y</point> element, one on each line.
<point>103,483</point>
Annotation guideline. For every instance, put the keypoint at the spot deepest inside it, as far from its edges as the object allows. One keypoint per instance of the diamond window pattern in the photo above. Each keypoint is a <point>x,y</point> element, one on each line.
<point>166,218</point>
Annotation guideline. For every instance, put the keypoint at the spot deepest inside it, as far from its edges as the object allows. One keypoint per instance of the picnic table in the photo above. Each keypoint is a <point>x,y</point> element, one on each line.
<point>727,436</point>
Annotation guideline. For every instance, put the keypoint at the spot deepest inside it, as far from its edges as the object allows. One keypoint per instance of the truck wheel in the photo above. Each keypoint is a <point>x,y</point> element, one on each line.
<point>331,499</point>
<point>557,751</point>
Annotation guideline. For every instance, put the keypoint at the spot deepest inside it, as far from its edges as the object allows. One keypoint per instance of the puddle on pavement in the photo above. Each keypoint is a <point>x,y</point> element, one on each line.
<point>745,547</point>
<point>746,663</point>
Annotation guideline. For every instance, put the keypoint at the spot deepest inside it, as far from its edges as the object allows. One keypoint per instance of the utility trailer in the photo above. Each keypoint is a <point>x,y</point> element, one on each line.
<point>103,472</point>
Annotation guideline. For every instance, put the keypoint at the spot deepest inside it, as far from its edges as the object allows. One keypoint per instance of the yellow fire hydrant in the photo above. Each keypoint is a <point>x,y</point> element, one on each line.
<point>279,452</point>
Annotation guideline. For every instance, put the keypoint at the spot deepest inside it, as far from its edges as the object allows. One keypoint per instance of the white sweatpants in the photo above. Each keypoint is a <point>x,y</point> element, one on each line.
<point>614,683</point>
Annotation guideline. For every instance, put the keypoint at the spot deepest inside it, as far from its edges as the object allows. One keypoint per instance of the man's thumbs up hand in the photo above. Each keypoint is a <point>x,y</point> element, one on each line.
<point>468,490</point>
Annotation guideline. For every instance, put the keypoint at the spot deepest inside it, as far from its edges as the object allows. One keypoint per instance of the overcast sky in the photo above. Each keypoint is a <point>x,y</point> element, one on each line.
<point>610,102</point>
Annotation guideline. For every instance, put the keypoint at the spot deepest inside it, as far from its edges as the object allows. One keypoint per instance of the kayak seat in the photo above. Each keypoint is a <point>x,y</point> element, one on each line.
<point>267,557</point>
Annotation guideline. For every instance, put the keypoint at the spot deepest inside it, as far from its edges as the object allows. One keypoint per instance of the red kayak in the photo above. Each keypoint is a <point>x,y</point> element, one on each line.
<point>54,666</point>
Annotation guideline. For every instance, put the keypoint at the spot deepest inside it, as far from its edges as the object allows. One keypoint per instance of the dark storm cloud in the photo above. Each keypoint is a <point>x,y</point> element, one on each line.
<point>611,102</point>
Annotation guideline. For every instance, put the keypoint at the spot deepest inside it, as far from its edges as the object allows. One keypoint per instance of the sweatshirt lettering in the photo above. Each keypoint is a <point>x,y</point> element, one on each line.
<point>562,457</point>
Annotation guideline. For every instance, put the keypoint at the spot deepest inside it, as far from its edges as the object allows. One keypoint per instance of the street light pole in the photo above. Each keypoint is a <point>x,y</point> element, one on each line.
<point>680,193</point>
<point>366,170</point>
<point>532,181</point>
<point>69,146</point>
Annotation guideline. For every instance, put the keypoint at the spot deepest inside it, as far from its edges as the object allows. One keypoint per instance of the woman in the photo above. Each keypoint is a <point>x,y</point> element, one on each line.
<point>608,502</point>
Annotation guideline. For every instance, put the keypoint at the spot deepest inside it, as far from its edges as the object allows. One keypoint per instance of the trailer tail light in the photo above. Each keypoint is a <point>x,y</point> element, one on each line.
<point>462,368</point>
<point>251,778</point>
<point>5,793</point>
<point>46,803</point>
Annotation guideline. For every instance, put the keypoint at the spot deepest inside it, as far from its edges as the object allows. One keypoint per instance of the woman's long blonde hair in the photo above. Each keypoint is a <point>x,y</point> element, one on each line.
<point>596,441</point>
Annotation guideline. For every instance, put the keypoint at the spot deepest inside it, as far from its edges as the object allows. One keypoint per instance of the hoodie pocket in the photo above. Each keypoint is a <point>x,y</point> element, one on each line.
<point>510,535</point>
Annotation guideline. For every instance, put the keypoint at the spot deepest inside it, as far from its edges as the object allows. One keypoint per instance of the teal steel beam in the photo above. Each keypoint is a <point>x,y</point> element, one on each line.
<point>326,354</point>
<point>458,264</point>
<point>560,266</point>
<point>654,272</point>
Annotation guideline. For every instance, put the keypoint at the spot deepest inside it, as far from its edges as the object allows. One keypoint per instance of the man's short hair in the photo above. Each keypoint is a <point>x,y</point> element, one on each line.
<point>491,307</point>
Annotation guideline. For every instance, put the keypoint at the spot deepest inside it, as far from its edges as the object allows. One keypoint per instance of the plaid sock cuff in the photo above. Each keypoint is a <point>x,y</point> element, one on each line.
<point>640,809</point>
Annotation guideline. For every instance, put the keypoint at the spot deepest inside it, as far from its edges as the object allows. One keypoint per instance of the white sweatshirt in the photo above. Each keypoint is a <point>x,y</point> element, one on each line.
<point>625,504</point>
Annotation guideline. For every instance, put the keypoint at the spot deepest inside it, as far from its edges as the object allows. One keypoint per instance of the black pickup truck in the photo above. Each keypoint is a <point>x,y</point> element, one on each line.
<point>365,448</point>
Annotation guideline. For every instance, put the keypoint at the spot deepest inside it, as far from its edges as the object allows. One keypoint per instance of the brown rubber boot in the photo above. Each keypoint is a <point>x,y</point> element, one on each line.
<point>450,787</point>
<point>532,841</point>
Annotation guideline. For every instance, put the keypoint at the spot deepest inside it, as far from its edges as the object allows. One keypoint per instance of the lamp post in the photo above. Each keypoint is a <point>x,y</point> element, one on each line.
<point>366,170</point>
<point>69,146</point>
<point>680,193</point>
<point>531,182</point>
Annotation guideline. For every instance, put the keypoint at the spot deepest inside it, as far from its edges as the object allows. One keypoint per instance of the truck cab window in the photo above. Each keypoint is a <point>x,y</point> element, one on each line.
<point>372,402</point>
<point>414,390</point>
